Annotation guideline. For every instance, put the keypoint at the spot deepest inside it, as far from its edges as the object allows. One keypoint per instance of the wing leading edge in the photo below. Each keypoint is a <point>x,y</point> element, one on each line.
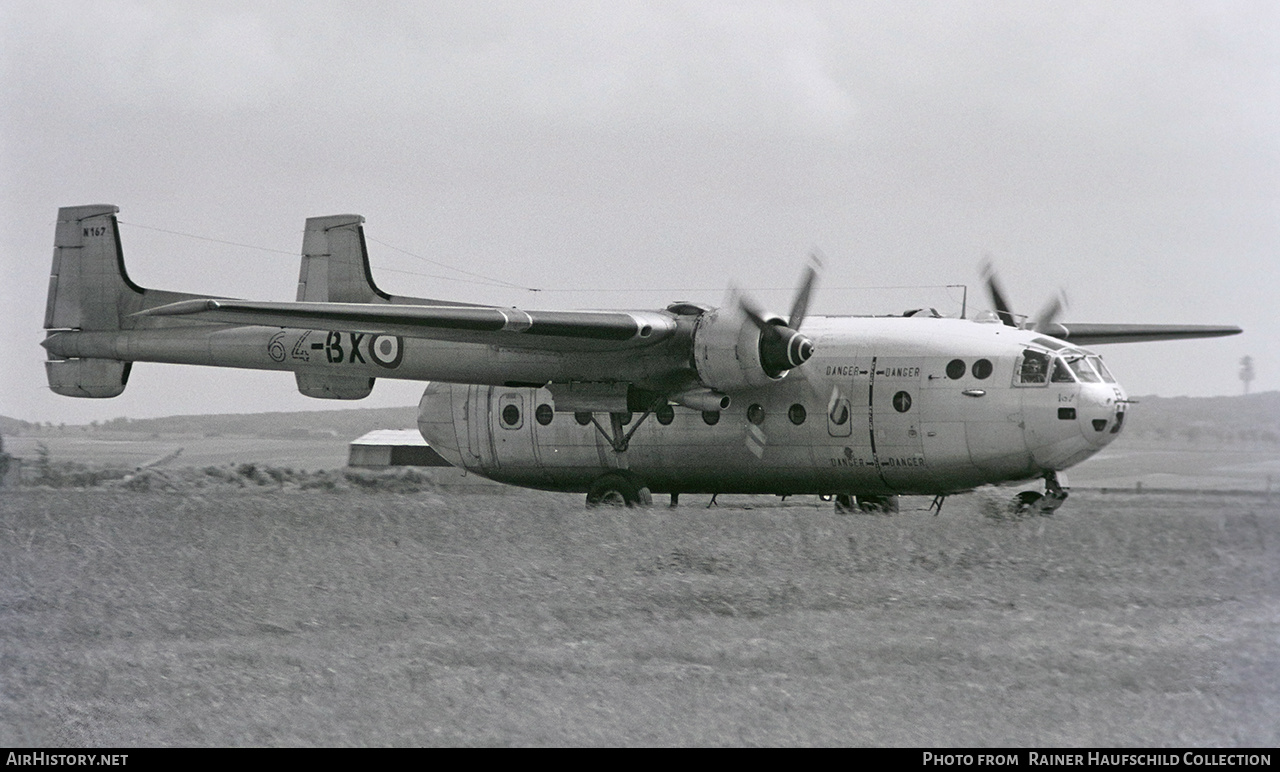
<point>1094,334</point>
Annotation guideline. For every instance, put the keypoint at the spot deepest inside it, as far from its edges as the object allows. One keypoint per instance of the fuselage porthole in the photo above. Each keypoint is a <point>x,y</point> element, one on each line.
<point>544,414</point>
<point>510,415</point>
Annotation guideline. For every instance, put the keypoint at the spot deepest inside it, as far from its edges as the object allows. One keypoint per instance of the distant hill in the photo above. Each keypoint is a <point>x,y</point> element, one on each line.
<point>1251,418</point>
<point>311,423</point>
<point>1244,418</point>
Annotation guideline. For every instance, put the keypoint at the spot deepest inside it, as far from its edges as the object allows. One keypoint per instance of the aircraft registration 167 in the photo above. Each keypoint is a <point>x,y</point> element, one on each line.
<point>623,404</point>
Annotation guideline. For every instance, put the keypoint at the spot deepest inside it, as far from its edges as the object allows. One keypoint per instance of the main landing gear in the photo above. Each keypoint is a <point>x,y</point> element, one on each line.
<point>847,504</point>
<point>619,488</point>
<point>1055,494</point>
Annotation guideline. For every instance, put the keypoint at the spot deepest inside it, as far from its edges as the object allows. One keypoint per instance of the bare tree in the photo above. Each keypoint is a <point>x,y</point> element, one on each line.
<point>1246,372</point>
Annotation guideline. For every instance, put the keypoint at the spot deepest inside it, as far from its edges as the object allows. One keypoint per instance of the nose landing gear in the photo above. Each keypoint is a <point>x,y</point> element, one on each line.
<point>1055,494</point>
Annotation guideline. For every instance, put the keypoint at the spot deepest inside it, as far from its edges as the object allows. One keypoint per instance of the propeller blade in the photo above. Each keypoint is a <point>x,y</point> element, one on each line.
<point>1047,319</point>
<point>754,313</point>
<point>1002,308</point>
<point>800,307</point>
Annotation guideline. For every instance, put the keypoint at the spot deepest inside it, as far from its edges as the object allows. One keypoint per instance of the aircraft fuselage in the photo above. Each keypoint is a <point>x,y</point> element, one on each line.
<point>887,405</point>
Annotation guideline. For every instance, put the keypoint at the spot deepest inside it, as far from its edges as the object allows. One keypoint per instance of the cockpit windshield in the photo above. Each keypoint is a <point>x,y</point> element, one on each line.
<point>1096,361</point>
<point>1079,365</point>
<point>1061,373</point>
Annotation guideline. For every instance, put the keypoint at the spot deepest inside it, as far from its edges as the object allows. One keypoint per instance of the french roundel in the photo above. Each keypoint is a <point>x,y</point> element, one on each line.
<point>386,350</point>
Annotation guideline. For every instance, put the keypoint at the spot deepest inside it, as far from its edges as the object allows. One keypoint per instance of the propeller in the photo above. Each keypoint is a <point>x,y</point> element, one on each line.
<point>783,346</point>
<point>1045,321</point>
<point>1001,306</point>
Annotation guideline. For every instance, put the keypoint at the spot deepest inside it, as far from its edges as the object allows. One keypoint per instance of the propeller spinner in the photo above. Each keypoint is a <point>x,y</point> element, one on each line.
<point>783,346</point>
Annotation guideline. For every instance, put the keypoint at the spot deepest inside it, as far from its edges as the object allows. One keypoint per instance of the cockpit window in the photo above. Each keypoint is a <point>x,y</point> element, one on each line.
<point>1080,366</point>
<point>1056,345</point>
<point>1061,373</point>
<point>1035,367</point>
<point>1096,361</point>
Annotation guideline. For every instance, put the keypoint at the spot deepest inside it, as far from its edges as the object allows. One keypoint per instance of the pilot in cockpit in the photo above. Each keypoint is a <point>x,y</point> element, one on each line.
<point>1034,367</point>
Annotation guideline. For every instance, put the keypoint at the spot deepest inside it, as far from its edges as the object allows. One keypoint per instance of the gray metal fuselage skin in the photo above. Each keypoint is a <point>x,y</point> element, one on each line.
<point>879,414</point>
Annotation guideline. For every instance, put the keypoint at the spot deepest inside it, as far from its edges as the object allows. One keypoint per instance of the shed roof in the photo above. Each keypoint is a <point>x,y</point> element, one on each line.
<point>401,437</point>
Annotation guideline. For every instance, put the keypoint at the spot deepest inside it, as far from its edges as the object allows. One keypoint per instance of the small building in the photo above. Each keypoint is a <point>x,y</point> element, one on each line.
<point>393,447</point>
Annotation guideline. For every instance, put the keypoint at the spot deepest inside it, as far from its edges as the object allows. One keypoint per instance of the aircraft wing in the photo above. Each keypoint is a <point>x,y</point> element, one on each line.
<point>550,330</point>
<point>1094,334</point>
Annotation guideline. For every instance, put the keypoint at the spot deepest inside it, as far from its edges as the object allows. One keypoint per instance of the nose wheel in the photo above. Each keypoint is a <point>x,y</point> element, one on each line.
<point>1055,495</point>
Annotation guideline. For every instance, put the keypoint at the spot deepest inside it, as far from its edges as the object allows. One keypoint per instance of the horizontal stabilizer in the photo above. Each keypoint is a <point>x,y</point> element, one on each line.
<point>1095,334</point>
<point>477,324</point>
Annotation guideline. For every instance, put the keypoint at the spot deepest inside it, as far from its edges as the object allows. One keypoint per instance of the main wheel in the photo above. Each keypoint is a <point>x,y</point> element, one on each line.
<point>1026,501</point>
<point>617,489</point>
<point>886,504</point>
<point>844,503</point>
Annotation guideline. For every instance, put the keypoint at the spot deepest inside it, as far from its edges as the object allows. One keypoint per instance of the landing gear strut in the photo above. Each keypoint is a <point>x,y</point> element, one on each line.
<point>619,439</point>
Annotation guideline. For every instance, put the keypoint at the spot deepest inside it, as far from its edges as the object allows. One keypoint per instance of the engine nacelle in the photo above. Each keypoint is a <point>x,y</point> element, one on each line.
<point>727,351</point>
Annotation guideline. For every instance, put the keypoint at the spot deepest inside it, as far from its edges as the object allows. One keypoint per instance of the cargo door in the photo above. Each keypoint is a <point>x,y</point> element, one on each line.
<point>512,429</point>
<point>478,445</point>
<point>896,437</point>
<point>846,463</point>
<point>946,388</point>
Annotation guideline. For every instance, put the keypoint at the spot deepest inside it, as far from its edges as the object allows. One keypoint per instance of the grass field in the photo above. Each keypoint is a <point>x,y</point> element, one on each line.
<point>252,617</point>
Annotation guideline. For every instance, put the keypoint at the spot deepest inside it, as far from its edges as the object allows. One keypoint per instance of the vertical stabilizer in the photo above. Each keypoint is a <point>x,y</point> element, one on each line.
<point>88,286</point>
<point>335,269</point>
<point>335,266</point>
<point>335,262</point>
<point>88,291</point>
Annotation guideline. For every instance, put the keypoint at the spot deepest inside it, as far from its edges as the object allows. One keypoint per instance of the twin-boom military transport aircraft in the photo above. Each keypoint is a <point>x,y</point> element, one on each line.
<point>623,404</point>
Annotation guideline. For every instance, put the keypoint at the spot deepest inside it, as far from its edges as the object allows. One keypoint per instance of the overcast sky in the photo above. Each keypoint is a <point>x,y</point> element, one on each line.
<point>629,154</point>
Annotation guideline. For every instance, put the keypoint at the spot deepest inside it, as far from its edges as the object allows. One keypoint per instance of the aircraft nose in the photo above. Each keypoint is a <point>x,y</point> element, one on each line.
<point>435,421</point>
<point>1103,411</point>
